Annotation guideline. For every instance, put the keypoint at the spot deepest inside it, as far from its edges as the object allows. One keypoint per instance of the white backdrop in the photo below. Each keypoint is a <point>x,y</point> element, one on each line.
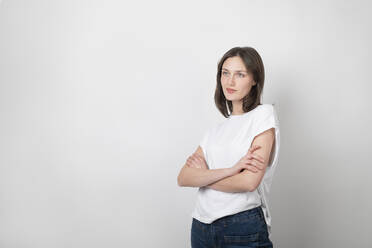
<point>103,101</point>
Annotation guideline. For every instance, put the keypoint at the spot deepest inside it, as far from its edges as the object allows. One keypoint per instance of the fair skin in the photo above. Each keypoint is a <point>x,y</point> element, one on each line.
<point>195,172</point>
<point>235,76</point>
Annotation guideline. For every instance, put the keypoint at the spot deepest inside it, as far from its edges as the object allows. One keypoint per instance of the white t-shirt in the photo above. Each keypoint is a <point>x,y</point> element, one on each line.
<point>223,146</point>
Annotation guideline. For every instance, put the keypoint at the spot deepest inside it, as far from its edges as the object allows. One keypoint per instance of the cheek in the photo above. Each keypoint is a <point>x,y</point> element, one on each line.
<point>247,87</point>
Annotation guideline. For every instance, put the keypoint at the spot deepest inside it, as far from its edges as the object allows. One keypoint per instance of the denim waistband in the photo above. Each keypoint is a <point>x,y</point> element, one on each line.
<point>246,214</point>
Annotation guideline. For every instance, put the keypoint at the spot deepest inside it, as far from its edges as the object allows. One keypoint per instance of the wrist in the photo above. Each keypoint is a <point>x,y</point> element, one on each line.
<point>229,171</point>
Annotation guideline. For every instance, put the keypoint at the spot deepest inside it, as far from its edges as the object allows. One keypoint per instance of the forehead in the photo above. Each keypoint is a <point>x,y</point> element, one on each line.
<point>234,64</point>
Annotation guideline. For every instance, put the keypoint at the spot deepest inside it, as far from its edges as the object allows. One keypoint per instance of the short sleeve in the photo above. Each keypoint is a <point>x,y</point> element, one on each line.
<point>266,119</point>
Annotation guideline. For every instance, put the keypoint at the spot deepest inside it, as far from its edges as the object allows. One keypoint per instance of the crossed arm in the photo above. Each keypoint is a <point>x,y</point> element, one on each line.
<point>225,179</point>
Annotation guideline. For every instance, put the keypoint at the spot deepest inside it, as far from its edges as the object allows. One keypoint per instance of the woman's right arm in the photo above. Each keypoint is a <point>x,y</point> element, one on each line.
<point>196,177</point>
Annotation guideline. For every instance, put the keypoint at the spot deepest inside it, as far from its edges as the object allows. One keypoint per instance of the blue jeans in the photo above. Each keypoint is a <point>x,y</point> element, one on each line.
<point>244,229</point>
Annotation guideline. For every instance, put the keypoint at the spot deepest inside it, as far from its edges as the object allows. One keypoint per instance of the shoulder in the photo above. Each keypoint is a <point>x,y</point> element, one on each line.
<point>263,111</point>
<point>266,113</point>
<point>266,108</point>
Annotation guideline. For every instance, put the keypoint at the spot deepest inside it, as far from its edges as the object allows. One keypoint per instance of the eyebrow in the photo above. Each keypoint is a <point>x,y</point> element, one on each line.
<point>236,71</point>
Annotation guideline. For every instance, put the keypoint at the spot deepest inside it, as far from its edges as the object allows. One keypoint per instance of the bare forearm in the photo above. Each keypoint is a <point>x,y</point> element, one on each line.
<point>195,177</point>
<point>231,184</point>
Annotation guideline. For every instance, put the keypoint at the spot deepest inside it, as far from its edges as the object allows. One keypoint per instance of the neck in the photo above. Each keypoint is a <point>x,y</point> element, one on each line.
<point>237,108</point>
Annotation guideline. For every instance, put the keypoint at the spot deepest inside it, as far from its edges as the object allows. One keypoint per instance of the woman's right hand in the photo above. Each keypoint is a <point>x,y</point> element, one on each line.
<point>246,162</point>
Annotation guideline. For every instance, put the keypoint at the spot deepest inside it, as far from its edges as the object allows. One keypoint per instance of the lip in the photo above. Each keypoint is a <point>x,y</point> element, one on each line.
<point>230,90</point>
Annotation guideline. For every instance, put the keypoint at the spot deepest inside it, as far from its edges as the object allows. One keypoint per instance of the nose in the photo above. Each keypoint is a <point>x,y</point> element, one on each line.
<point>231,80</point>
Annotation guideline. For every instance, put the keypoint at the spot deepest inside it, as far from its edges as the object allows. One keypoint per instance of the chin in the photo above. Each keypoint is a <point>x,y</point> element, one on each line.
<point>232,99</point>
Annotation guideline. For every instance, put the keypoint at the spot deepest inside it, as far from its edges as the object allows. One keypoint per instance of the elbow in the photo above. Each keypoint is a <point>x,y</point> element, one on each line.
<point>251,187</point>
<point>180,181</point>
<point>184,183</point>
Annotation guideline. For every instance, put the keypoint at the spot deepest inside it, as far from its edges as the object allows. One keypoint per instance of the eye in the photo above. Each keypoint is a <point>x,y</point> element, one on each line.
<point>241,75</point>
<point>225,73</point>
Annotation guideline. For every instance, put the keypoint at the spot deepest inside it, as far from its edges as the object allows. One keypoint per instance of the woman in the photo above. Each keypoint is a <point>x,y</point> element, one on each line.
<point>236,159</point>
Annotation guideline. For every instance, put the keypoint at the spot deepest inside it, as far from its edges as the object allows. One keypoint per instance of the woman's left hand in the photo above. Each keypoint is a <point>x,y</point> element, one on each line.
<point>196,161</point>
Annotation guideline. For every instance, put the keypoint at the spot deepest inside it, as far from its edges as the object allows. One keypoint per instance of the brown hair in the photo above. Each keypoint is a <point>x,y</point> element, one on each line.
<point>253,63</point>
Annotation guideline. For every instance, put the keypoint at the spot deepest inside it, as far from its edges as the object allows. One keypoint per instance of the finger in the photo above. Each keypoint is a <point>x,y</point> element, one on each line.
<point>194,165</point>
<point>197,159</point>
<point>190,165</point>
<point>253,148</point>
<point>256,156</point>
<point>256,164</point>
<point>198,166</point>
<point>201,165</point>
<point>251,168</point>
<point>200,157</point>
<point>260,166</point>
<point>198,162</point>
<point>191,159</point>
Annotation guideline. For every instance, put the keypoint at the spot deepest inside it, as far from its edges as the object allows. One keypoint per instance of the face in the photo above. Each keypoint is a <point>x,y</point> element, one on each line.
<point>235,76</point>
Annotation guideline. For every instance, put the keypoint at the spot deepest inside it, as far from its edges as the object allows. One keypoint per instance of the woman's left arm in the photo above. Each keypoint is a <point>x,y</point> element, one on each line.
<point>248,180</point>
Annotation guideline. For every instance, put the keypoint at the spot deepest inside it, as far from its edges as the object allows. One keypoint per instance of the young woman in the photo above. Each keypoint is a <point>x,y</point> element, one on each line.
<point>235,162</point>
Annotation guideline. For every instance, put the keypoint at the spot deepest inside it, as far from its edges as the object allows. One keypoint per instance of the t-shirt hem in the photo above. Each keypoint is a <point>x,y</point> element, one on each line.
<point>210,220</point>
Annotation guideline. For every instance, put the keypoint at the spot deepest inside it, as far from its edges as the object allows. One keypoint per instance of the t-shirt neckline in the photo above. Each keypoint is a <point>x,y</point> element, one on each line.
<point>241,115</point>
<point>237,116</point>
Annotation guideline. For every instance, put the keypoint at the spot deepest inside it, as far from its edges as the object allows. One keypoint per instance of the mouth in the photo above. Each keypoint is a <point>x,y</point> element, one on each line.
<point>230,90</point>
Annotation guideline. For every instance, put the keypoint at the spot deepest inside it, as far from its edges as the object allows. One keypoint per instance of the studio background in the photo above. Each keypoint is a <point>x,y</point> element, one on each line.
<point>101,103</point>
